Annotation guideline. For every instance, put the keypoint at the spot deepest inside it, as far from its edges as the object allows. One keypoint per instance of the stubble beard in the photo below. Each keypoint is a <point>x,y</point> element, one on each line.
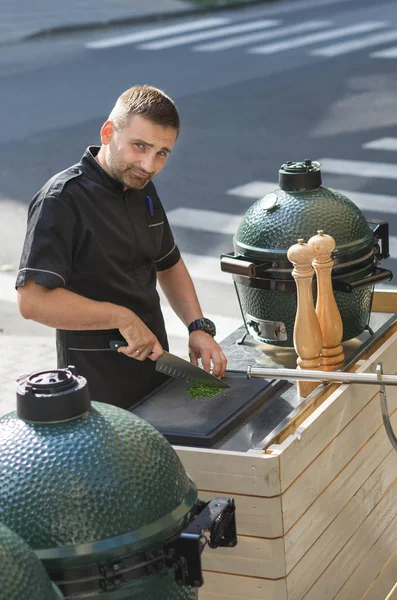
<point>126,176</point>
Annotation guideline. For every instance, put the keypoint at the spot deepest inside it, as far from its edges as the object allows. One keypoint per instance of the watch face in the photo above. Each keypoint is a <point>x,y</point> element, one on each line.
<point>209,327</point>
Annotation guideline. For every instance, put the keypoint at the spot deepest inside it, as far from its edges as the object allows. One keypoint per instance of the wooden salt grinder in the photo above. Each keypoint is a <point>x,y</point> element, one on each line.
<point>326,307</point>
<point>307,333</point>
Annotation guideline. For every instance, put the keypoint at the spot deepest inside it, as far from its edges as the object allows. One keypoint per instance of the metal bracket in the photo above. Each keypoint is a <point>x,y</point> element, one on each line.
<point>183,554</point>
<point>268,330</point>
<point>383,404</point>
<point>381,233</point>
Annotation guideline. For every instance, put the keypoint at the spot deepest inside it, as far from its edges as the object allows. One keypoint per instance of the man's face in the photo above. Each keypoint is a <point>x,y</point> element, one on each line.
<point>138,151</point>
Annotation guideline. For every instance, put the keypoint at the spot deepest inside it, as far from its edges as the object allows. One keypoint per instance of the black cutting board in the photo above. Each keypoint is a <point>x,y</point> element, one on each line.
<point>191,421</point>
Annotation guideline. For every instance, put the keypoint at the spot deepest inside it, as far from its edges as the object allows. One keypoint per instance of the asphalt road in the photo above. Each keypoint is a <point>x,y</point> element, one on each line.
<point>310,88</point>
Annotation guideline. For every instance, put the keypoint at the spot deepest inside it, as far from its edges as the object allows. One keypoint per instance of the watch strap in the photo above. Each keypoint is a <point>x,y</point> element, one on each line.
<point>203,324</point>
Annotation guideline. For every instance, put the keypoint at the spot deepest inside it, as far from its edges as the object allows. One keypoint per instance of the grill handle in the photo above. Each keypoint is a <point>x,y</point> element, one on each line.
<point>381,233</point>
<point>379,276</point>
<point>230,264</point>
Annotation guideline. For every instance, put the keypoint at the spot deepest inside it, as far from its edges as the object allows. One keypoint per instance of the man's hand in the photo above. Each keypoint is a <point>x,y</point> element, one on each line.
<point>142,343</point>
<point>202,345</point>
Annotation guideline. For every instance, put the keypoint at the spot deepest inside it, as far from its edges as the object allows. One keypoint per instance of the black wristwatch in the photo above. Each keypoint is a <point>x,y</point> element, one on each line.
<point>203,325</point>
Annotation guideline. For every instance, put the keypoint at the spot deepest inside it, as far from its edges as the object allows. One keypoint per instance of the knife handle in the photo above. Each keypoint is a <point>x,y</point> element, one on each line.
<point>115,344</point>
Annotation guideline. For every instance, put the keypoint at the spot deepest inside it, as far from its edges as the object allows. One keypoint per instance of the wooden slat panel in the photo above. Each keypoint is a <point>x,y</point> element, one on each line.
<point>369,569</point>
<point>384,582</point>
<point>336,537</point>
<point>325,423</point>
<point>231,587</point>
<point>328,505</point>
<point>254,557</point>
<point>247,473</point>
<point>385,301</point>
<point>354,551</point>
<point>333,459</point>
<point>258,517</point>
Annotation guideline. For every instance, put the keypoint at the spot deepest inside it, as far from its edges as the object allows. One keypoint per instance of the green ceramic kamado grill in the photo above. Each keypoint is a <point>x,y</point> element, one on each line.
<point>298,208</point>
<point>22,576</point>
<point>101,497</point>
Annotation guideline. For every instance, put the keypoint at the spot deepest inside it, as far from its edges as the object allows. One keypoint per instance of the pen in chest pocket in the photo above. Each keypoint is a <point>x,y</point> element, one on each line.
<point>149,206</point>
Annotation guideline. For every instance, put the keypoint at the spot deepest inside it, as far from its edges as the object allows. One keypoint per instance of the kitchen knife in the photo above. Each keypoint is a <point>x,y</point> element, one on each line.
<point>176,367</point>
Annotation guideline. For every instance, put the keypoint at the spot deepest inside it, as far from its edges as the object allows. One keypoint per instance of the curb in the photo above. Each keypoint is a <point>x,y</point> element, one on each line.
<point>141,19</point>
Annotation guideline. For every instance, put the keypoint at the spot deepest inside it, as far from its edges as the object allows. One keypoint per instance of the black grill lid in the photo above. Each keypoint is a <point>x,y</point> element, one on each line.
<point>298,176</point>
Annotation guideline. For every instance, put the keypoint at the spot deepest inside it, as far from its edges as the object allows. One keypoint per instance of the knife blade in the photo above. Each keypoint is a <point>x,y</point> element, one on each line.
<point>177,367</point>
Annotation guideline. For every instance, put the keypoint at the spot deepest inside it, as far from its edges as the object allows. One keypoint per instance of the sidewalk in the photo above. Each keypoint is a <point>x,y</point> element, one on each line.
<point>22,354</point>
<point>22,19</point>
<point>25,346</point>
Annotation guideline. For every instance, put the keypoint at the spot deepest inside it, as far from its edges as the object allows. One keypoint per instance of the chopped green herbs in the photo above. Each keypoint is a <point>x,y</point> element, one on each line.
<point>201,390</point>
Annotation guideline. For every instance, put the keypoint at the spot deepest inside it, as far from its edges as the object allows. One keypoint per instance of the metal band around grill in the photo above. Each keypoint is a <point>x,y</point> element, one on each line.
<point>108,577</point>
<point>343,254</point>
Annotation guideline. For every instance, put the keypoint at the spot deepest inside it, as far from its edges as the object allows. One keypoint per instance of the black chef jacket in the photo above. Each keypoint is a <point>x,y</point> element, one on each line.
<point>87,234</point>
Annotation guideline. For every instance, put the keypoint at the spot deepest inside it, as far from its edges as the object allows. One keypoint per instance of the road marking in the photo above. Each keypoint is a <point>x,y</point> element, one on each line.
<point>204,220</point>
<point>205,35</point>
<point>345,47</point>
<point>388,53</point>
<point>224,325</point>
<point>387,143</point>
<point>393,246</point>
<point>317,37</point>
<point>379,203</point>
<point>206,268</point>
<point>257,37</point>
<point>7,290</point>
<point>369,202</point>
<point>151,34</point>
<point>254,189</point>
<point>359,168</point>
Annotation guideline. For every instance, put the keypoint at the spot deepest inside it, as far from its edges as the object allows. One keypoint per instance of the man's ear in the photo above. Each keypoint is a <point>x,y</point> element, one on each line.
<point>107,132</point>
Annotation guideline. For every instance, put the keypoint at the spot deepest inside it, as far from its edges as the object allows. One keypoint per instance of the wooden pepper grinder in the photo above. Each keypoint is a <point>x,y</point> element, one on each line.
<point>326,307</point>
<point>307,333</point>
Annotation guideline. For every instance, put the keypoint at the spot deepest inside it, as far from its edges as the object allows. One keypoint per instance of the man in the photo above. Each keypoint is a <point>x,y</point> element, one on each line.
<point>97,241</point>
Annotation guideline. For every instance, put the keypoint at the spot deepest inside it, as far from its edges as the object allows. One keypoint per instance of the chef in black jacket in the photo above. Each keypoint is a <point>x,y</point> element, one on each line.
<point>97,241</point>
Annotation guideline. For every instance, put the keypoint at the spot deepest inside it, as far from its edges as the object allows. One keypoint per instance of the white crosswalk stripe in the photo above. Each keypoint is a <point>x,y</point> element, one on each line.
<point>380,203</point>
<point>393,246</point>
<point>388,53</point>
<point>224,325</point>
<point>244,40</point>
<point>317,37</point>
<point>7,289</point>
<point>387,143</point>
<point>151,34</point>
<point>353,45</point>
<point>238,34</point>
<point>204,220</point>
<point>253,189</point>
<point>206,268</point>
<point>359,168</point>
<point>205,35</point>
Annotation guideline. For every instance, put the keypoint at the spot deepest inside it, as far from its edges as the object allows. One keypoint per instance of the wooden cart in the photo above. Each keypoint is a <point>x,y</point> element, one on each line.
<point>317,506</point>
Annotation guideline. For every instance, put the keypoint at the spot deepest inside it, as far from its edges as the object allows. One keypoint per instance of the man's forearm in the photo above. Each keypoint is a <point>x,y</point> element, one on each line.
<point>64,309</point>
<point>178,288</point>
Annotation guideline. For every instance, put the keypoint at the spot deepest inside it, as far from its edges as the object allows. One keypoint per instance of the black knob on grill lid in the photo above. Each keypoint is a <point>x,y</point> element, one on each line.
<point>52,396</point>
<point>298,176</point>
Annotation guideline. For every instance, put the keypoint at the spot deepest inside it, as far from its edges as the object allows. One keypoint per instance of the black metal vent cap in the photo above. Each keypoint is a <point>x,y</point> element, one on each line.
<point>52,396</point>
<point>299,176</point>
